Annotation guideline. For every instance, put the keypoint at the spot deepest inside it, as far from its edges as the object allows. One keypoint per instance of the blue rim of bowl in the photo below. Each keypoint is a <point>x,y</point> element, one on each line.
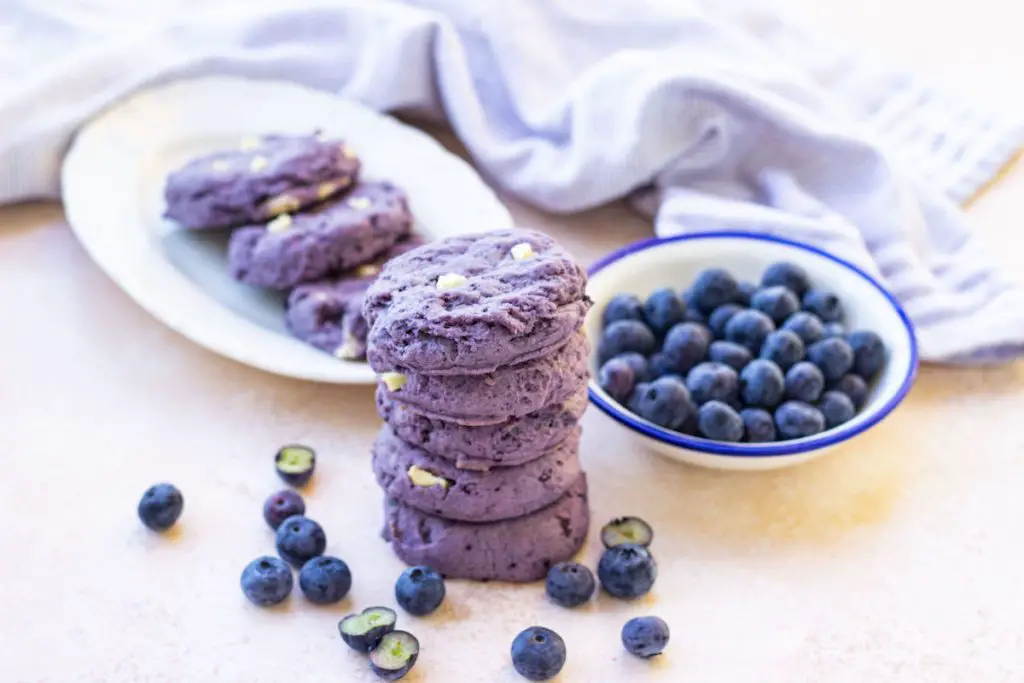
<point>747,450</point>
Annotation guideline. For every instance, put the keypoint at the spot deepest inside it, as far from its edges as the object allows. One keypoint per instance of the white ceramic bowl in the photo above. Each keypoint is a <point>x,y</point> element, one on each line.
<point>674,262</point>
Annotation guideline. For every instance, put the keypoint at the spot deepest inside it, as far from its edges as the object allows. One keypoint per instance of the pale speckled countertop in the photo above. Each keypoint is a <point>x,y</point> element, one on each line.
<point>897,559</point>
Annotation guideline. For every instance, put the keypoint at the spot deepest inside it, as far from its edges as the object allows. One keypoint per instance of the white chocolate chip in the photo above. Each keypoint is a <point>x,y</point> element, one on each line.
<point>367,270</point>
<point>360,203</point>
<point>522,251</point>
<point>451,281</point>
<point>220,165</point>
<point>348,349</point>
<point>250,143</point>
<point>282,203</point>
<point>325,190</point>
<point>425,479</point>
<point>258,164</point>
<point>347,152</point>
<point>280,224</point>
<point>394,381</point>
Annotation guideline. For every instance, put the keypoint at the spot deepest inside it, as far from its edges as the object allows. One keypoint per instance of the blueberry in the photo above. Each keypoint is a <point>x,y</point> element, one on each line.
<point>617,379</point>
<point>665,402</point>
<point>832,330</point>
<point>627,571</point>
<point>161,506</point>
<point>804,382</point>
<point>749,328</point>
<point>622,307</point>
<point>712,382</point>
<point>825,305</point>
<point>744,291</point>
<point>868,353</point>
<point>805,325</point>
<point>778,303</point>
<point>694,315</point>
<point>854,387</point>
<point>796,419</point>
<point>295,464</point>
<point>660,364</point>
<point>623,336</point>
<point>570,584</point>
<point>732,354</point>
<point>626,530</point>
<point>419,590</point>
<point>363,631</point>
<point>663,309</point>
<point>300,539</point>
<point>639,365</point>
<point>836,407</point>
<point>720,422</point>
<point>788,275</point>
<point>538,653</point>
<point>645,636</point>
<point>712,288</point>
<point>762,384</point>
<point>833,356</point>
<point>686,344</point>
<point>395,655</point>
<point>720,317</point>
<point>266,581</point>
<point>281,506</point>
<point>783,348</point>
<point>758,425</point>
<point>325,580</point>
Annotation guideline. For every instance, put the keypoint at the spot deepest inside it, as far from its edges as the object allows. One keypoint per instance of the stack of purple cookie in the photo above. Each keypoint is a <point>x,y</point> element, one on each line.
<point>482,361</point>
<point>305,225</point>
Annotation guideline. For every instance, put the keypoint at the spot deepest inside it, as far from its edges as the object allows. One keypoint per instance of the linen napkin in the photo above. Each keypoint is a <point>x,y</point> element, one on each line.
<point>727,114</point>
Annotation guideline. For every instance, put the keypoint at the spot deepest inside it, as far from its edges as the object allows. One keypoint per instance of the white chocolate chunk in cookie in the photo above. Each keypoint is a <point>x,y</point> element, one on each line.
<point>394,381</point>
<point>325,190</point>
<point>280,224</point>
<point>258,164</point>
<point>451,281</point>
<point>522,251</point>
<point>348,349</point>
<point>360,203</point>
<point>249,143</point>
<point>282,203</point>
<point>424,478</point>
<point>347,152</point>
<point>367,270</point>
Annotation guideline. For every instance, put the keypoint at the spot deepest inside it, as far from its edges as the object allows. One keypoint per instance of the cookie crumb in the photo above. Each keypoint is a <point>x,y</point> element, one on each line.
<point>394,381</point>
<point>424,478</point>
<point>451,281</point>
<point>522,251</point>
<point>280,224</point>
<point>258,164</point>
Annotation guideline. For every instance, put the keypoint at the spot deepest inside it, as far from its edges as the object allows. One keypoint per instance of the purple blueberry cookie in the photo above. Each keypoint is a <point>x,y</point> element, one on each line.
<point>511,442</point>
<point>265,177</point>
<point>336,237</point>
<point>521,549</point>
<point>474,303</point>
<point>436,486</point>
<point>328,314</point>
<point>510,391</point>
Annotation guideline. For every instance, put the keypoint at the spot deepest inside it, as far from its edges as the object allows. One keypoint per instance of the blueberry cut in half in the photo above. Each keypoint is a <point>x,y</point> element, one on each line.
<point>622,530</point>
<point>395,655</point>
<point>295,464</point>
<point>363,631</point>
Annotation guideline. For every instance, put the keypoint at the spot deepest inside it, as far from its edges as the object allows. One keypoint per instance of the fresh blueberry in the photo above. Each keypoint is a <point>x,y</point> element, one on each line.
<point>795,419</point>
<point>266,581</point>
<point>395,655</point>
<point>663,309</point>
<point>660,365</point>
<point>363,631</point>
<point>622,307</point>
<point>627,571</point>
<point>749,328</point>
<point>295,464</point>
<point>744,292</point>
<point>853,386</point>
<point>832,330</point>
<point>778,303</point>
<point>300,539</point>
<point>868,353</point>
<point>694,315</point>
<point>281,506</point>
<point>570,584</point>
<point>712,382</point>
<point>665,402</point>
<point>783,348</point>
<point>804,382</point>
<point>419,590</point>
<point>538,653</point>
<point>325,580</point>
<point>720,422</point>
<point>720,317</point>
<point>825,305</point>
<point>161,506</point>
<point>758,425</point>
<point>833,356</point>
<point>623,336</point>
<point>732,354</point>
<point>686,344</point>
<point>712,288</point>
<point>617,379</point>
<point>762,384</point>
<point>639,365</point>
<point>645,636</point>
<point>837,408</point>
<point>788,275</point>
<point>806,325</point>
<point>626,530</point>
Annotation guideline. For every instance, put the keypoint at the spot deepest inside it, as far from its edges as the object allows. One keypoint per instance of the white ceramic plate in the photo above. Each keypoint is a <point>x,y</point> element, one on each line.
<point>113,181</point>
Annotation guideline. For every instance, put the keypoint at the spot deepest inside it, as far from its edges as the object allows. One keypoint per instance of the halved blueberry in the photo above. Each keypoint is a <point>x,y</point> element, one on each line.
<point>282,505</point>
<point>395,655</point>
<point>295,464</point>
<point>363,631</point>
<point>626,530</point>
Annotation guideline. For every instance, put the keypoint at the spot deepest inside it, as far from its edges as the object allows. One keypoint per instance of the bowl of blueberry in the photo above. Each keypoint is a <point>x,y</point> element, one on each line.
<point>741,351</point>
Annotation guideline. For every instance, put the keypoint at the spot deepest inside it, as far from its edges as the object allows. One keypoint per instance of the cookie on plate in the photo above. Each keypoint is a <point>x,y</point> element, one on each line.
<point>474,303</point>
<point>262,178</point>
<point>338,236</point>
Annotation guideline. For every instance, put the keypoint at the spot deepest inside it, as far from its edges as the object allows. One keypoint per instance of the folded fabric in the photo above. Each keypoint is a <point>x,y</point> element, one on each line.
<point>724,116</point>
